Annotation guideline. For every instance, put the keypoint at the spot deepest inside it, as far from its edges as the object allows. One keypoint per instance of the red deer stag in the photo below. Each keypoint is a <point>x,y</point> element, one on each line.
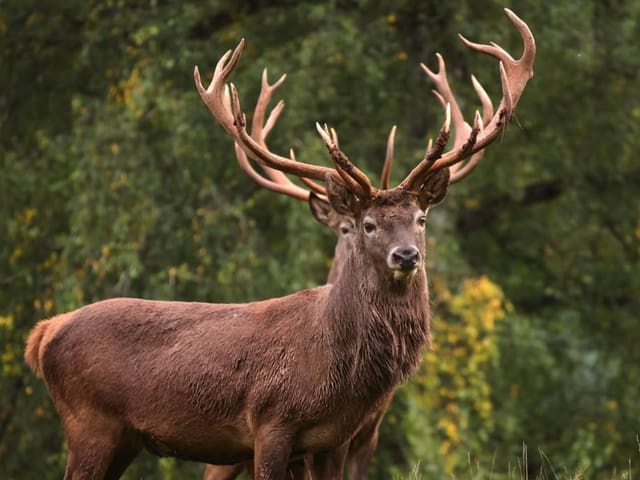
<point>363,445</point>
<point>275,379</point>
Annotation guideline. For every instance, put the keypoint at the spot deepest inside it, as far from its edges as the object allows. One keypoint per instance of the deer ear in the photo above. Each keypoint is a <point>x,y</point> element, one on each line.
<point>320,208</point>
<point>434,188</point>
<point>342,200</point>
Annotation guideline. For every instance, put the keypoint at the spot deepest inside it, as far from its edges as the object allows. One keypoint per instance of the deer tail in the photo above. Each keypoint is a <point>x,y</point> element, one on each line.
<point>32,350</point>
<point>39,337</point>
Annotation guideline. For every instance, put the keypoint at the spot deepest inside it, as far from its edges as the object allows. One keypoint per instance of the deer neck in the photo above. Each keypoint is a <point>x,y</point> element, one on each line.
<point>378,326</point>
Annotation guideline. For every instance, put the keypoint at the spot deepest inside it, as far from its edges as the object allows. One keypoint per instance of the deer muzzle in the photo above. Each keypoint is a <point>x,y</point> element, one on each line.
<point>405,259</point>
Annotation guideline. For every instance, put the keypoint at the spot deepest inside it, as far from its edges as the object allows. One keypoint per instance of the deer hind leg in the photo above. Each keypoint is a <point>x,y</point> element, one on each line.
<point>99,449</point>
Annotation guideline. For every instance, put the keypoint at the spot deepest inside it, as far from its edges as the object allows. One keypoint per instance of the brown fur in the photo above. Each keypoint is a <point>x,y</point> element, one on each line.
<point>31,352</point>
<point>342,226</point>
<point>222,384</point>
<point>344,229</point>
<point>39,337</point>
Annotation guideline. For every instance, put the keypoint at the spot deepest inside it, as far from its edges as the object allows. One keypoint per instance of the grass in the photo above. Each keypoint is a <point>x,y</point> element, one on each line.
<point>521,471</point>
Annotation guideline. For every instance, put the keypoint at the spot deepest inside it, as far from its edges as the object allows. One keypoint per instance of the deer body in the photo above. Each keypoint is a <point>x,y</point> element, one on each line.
<point>205,381</point>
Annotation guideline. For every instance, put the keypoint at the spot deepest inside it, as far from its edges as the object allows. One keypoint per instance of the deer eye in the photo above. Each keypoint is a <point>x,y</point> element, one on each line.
<point>422,220</point>
<point>369,227</point>
<point>346,227</point>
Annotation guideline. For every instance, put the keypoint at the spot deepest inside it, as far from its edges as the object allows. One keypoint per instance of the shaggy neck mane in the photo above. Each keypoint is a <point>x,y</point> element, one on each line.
<point>378,326</point>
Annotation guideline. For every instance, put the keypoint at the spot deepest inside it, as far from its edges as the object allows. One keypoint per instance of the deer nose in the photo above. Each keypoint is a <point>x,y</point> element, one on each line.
<point>405,258</point>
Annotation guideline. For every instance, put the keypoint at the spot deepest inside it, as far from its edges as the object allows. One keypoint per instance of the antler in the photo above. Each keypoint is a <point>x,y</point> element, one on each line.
<point>388,160</point>
<point>462,129</point>
<point>469,140</point>
<point>234,121</point>
<point>284,186</point>
<point>277,181</point>
<point>514,75</point>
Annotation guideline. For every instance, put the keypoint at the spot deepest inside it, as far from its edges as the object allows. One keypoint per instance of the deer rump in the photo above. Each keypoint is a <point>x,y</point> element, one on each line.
<point>196,380</point>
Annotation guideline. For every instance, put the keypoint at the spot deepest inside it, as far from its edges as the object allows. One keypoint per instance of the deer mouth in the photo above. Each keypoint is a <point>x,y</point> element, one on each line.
<point>400,275</point>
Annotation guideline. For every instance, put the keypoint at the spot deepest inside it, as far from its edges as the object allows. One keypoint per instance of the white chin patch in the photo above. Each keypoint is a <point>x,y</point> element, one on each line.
<point>404,275</point>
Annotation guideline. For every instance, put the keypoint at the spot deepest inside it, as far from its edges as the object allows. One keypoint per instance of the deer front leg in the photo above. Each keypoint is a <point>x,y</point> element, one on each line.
<point>272,447</point>
<point>361,450</point>
<point>327,465</point>
<point>224,472</point>
<point>363,444</point>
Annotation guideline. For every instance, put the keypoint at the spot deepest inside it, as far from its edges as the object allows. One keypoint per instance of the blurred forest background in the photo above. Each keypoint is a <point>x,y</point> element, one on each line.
<point>115,180</point>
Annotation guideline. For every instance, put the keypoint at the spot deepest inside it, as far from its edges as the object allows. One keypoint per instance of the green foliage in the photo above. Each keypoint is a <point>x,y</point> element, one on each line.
<point>116,181</point>
<point>450,395</point>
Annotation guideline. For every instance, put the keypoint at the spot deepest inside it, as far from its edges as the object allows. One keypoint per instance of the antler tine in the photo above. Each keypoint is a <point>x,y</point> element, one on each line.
<point>518,71</point>
<point>266,91</point>
<point>463,171</point>
<point>271,119</point>
<point>289,188</point>
<point>388,160</point>
<point>214,95</point>
<point>485,100</point>
<point>316,187</point>
<point>445,95</point>
<point>277,181</point>
<point>487,113</point>
<point>260,129</point>
<point>462,129</point>
<point>514,75</point>
<point>265,156</point>
<point>334,136</point>
<point>433,152</point>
